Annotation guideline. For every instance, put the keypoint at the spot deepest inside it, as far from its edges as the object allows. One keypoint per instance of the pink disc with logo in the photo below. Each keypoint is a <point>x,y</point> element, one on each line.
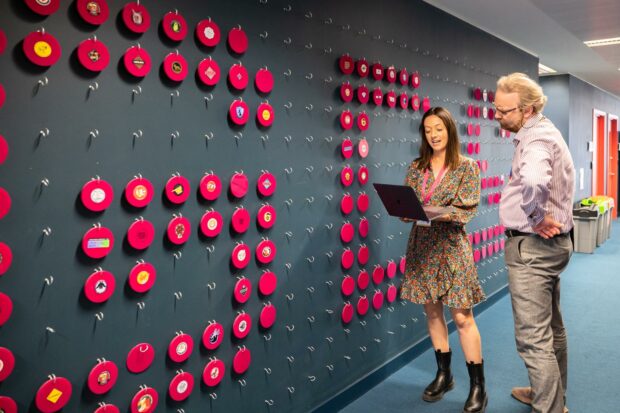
<point>346,120</point>
<point>209,71</point>
<point>102,377</point>
<point>377,300</point>
<point>476,255</point>
<point>99,286</point>
<point>242,290</point>
<point>363,227</point>
<point>415,102</point>
<point>180,348</point>
<point>362,305</point>
<point>362,67</point>
<point>347,259</point>
<point>391,269</point>
<point>347,286</point>
<point>107,408</point>
<point>496,181</point>
<point>391,293</point>
<point>266,251</point>
<point>477,237</point>
<point>363,202</point>
<point>53,395</point>
<point>239,112</point>
<point>363,122</point>
<point>490,250</point>
<point>4,149</point>
<point>208,33</point>
<point>346,204</point>
<point>238,76</point>
<point>347,176</point>
<point>3,41</point>
<point>93,55</point>
<point>477,94</point>
<point>477,112</point>
<point>497,197</point>
<point>43,7</point>
<point>363,148</point>
<point>95,12</point>
<point>490,232</point>
<point>403,265</point>
<point>502,245</point>
<point>264,80</point>
<point>213,373</point>
<point>483,252</point>
<point>490,114</point>
<point>345,63</point>
<point>240,220</point>
<point>390,74</point>
<point>363,280</point>
<point>363,95</point>
<point>242,325</point>
<point>145,401</point>
<point>137,61</point>
<point>497,230</point>
<point>238,40</point>
<point>267,316</point>
<point>470,132</point>
<point>142,277</point>
<point>477,133</point>
<point>264,114</point>
<point>346,148</point>
<point>484,165</point>
<point>210,187</point>
<point>347,313</point>
<point>403,100</point>
<point>174,26</point>
<point>390,99</point>
<point>346,92</point>
<point>377,96</point>
<point>97,195</point>
<point>403,76</point>
<point>483,183</point>
<point>136,17</point>
<point>378,274</point>
<point>362,175</point>
<point>42,49</point>
<point>212,336</point>
<point>7,405</point>
<point>140,357</point>
<point>266,184</point>
<point>470,148</point>
<point>484,234</point>
<point>240,256</point>
<point>267,283</point>
<point>6,308</point>
<point>470,111</point>
<point>181,386</point>
<point>139,192</point>
<point>97,242</point>
<point>266,216</point>
<point>175,67</point>
<point>140,234</point>
<point>211,224</point>
<point>5,202</point>
<point>7,363</point>
<point>362,255</point>
<point>6,257</point>
<point>242,360</point>
<point>239,185</point>
<point>415,80</point>
<point>178,231</point>
<point>490,199</point>
<point>377,71</point>
<point>347,232</point>
<point>426,104</point>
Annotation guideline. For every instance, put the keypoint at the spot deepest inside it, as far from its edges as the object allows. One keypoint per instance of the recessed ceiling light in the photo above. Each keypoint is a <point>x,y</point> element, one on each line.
<point>545,70</point>
<point>603,42</point>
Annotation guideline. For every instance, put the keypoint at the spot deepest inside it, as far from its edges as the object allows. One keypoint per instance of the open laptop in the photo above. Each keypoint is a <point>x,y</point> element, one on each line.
<point>401,201</point>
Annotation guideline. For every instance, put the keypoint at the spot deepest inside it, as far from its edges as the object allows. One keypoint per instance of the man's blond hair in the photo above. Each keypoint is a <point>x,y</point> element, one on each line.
<point>530,93</point>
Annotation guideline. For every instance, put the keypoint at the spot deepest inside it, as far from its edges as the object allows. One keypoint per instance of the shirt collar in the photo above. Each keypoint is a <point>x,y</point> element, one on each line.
<point>530,123</point>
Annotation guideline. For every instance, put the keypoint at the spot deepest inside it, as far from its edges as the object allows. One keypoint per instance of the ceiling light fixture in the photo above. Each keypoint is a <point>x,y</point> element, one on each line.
<point>603,42</point>
<point>545,70</point>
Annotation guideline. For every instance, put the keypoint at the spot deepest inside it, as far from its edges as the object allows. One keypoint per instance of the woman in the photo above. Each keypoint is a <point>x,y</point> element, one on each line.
<point>440,268</point>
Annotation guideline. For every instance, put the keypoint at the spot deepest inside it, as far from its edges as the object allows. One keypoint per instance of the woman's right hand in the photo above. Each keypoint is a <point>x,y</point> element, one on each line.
<point>407,220</point>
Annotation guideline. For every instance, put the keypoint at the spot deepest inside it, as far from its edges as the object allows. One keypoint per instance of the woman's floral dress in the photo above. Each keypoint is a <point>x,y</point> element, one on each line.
<point>440,265</point>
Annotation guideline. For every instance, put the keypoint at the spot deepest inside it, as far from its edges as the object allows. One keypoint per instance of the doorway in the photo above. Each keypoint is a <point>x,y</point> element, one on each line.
<point>612,178</point>
<point>599,166</point>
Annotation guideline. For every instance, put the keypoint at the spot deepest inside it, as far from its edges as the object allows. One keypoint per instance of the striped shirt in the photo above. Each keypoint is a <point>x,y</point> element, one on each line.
<point>542,179</point>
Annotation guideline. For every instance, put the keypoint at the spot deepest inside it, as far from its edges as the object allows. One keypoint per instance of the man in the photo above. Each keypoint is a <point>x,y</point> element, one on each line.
<point>536,209</point>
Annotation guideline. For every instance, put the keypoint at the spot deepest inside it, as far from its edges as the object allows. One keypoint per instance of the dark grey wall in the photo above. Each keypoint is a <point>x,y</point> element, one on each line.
<point>317,358</point>
<point>556,88</point>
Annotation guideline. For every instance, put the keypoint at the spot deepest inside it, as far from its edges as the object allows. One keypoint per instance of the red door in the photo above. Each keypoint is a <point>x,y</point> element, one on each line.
<point>599,183</point>
<point>612,180</point>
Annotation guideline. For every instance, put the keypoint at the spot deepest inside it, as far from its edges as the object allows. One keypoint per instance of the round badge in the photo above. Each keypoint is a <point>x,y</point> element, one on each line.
<point>264,80</point>
<point>53,395</point>
<point>363,122</point>
<point>213,373</point>
<point>181,386</point>
<point>362,175</point>
<point>390,99</point>
<point>6,308</point>
<point>470,111</point>
<point>490,114</point>
<point>391,269</point>
<point>211,224</point>
<point>242,290</point>
<point>363,279</point>
<point>497,230</point>
<point>485,112</point>
<point>348,285</point>
<point>99,286</point>
<point>97,242</point>
<point>415,102</point>
<point>41,48</point>
<point>362,305</point>
<point>476,255</point>
<point>347,313</point>
<point>142,277</point>
<point>470,129</point>
<point>470,148</point>
<point>346,148</point>
<point>7,405</point>
<point>4,149</point>
<point>95,12</point>
<point>140,357</point>
<point>264,114</point>
<point>241,256</point>
<point>266,216</point>
<point>209,72</point>
<point>490,232</point>
<point>346,120</point>
<point>477,94</point>
<point>483,183</point>
<point>403,265</point>
<point>477,237</point>
<point>377,71</point>
<point>484,165</point>
<point>180,348</point>
<point>496,181</point>
<point>502,245</point>
<point>240,220</point>
<point>43,7</point>
<point>140,234</point>
<point>362,255</point>
<point>242,360</point>
<point>363,227</point>
<point>377,96</point>
<point>363,95</point>
<point>267,183</point>
<point>137,61</point>
<point>363,148</point>
<point>477,111</point>
<point>107,408</point>
<point>426,104</point>
<point>208,33</point>
<point>346,176</point>
<point>391,74</point>
<point>239,112</point>
<point>490,96</point>
<point>363,201</point>
<point>242,325</point>
<point>239,185</point>
<point>497,197</point>
<point>347,258</point>
<point>377,300</point>
<point>415,80</point>
<point>345,63</point>
<point>477,129</point>
<point>346,204</point>
<point>174,26</point>
<point>144,401</point>
<point>6,257</point>
<point>238,40</point>
<point>403,76</point>
<point>102,377</point>
<point>93,55</point>
<point>212,336</point>
<point>346,92</point>
<point>177,189</point>
<point>238,76</point>
<point>139,192</point>
<point>403,100</point>
<point>267,316</point>
<point>175,67</point>
<point>266,251</point>
<point>3,41</point>
<point>179,230</point>
<point>136,17</point>
<point>7,363</point>
<point>362,67</point>
<point>210,187</point>
<point>5,202</point>
<point>378,274</point>
<point>390,295</point>
<point>483,252</point>
<point>347,232</point>
<point>267,283</point>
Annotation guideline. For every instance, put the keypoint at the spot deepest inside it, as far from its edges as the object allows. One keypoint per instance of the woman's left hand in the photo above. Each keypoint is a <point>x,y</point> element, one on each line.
<point>443,218</point>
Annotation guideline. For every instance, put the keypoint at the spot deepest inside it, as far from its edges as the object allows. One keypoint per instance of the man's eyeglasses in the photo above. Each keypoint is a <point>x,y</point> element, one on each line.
<point>504,112</point>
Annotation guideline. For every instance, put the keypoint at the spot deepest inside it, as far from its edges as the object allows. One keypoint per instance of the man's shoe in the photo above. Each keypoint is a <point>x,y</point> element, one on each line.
<point>524,395</point>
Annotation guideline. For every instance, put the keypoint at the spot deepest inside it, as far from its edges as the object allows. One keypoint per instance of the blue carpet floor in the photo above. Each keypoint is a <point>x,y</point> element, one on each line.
<point>590,295</point>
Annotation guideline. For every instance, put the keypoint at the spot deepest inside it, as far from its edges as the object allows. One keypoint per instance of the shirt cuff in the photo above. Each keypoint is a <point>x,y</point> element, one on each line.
<point>536,217</point>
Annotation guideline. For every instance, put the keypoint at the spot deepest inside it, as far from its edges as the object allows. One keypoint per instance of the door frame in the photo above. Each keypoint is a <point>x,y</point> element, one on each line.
<point>595,167</point>
<point>610,119</point>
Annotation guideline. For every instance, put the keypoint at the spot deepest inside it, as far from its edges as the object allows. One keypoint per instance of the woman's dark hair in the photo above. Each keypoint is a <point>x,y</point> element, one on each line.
<point>453,149</point>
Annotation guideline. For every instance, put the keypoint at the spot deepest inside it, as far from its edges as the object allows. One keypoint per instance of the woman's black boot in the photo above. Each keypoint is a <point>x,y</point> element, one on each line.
<point>443,380</point>
<point>477,399</point>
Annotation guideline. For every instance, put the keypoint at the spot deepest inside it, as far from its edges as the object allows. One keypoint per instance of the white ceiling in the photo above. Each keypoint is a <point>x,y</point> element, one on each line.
<point>554,31</point>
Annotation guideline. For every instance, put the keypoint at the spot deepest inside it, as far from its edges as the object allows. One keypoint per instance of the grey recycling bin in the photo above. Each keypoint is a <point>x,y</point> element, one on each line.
<point>601,227</point>
<point>586,219</point>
